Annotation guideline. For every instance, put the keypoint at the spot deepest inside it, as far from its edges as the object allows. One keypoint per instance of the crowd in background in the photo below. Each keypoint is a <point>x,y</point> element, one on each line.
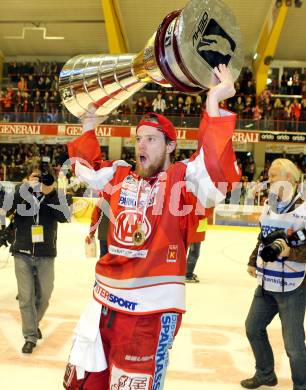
<point>14,158</point>
<point>30,94</point>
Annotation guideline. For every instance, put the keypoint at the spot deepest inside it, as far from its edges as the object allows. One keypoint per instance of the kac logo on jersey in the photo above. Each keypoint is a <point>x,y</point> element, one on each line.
<point>126,224</point>
<point>212,43</point>
<point>172,254</point>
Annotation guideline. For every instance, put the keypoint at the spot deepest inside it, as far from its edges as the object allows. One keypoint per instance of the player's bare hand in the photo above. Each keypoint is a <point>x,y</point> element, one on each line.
<point>90,119</point>
<point>225,89</point>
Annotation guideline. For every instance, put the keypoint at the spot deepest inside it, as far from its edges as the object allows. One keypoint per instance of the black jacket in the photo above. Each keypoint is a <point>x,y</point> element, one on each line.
<point>48,218</point>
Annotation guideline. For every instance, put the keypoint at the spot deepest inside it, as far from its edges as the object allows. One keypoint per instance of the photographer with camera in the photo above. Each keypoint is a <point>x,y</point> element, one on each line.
<point>279,263</point>
<point>36,209</point>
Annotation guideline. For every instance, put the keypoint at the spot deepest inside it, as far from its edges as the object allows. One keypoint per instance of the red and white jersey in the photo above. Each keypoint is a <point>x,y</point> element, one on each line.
<point>150,278</point>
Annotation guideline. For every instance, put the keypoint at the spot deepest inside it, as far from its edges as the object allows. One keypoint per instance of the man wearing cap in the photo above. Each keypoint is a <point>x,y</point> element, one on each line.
<point>124,335</point>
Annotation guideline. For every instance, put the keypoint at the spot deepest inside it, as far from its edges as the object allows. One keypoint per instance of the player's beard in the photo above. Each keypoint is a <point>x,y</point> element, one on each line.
<point>156,166</point>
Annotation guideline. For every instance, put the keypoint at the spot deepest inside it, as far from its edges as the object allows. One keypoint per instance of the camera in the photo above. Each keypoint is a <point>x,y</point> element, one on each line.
<point>272,249</point>
<point>46,176</point>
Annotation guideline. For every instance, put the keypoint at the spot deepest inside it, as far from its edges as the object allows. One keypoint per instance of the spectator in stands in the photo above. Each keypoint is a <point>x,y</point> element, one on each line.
<point>126,110</point>
<point>250,88</point>
<point>46,107</point>
<point>31,85</point>
<point>278,114</point>
<point>27,107</point>
<point>296,85</point>
<point>284,82</point>
<point>18,105</point>
<point>22,84</point>
<point>273,86</point>
<point>56,98</point>
<point>198,105</point>
<point>289,86</point>
<point>257,114</point>
<point>18,159</point>
<point>188,106</point>
<point>55,83</point>
<point>159,104</point>
<point>278,108</point>
<point>139,106</point>
<point>288,115</point>
<point>147,105</point>
<point>296,114</point>
<point>48,83</point>
<point>8,104</point>
<point>170,104</point>
<point>266,112</point>
<point>38,67</point>
<point>237,88</point>
<point>41,86</point>
<point>247,113</point>
<point>239,106</point>
<point>37,106</point>
<point>264,94</point>
<point>179,108</point>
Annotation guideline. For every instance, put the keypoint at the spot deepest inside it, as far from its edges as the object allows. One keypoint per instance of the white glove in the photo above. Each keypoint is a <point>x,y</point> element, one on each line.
<point>285,248</point>
<point>90,119</point>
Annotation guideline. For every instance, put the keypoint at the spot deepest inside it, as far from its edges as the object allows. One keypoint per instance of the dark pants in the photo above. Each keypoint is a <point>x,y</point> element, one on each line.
<point>291,309</point>
<point>103,247</point>
<point>193,255</point>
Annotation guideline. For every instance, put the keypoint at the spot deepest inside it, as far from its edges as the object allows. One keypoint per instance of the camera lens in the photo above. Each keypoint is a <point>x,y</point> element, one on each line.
<point>46,179</point>
<point>270,252</point>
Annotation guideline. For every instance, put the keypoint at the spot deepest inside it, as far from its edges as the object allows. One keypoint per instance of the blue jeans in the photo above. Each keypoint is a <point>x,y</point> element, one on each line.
<point>291,309</point>
<point>35,280</point>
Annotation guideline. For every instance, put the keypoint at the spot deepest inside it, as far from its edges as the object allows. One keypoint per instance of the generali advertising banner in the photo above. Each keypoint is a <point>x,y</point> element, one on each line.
<point>74,130</point>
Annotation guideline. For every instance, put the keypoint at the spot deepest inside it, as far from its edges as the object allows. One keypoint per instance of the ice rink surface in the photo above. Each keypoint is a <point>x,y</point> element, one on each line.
<point>211,350</point>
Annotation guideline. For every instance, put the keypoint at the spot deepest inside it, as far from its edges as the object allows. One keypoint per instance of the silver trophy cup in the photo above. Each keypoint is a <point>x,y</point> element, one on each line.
<point>188,44</point>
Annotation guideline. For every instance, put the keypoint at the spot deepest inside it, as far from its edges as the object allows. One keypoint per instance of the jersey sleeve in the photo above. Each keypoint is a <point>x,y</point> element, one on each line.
<point>85,156</point>
<point>212,169</point>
